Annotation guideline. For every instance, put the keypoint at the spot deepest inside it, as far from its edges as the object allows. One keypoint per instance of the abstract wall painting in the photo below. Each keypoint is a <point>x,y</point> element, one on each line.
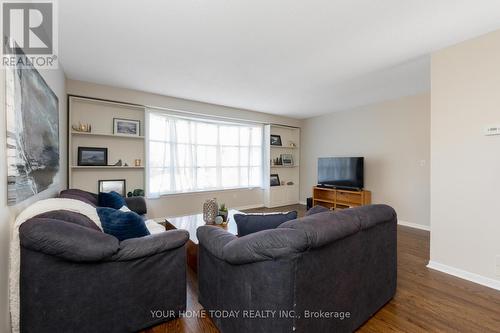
<point>32,114</point>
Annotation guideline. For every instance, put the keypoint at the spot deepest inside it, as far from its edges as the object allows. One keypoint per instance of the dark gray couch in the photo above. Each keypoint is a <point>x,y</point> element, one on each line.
<point>75,278</point>
<point>330,262</point>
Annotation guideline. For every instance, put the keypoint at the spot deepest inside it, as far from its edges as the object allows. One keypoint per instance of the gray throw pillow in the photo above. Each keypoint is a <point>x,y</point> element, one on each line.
<point>250,223</point>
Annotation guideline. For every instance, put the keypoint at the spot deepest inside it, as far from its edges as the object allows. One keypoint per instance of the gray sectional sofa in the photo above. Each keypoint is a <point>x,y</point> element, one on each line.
<point>328,272</point>
<point>75,278</point>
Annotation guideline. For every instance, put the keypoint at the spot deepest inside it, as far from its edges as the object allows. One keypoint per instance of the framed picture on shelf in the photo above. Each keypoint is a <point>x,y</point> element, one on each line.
<point>275,140</point>
<point>113,185</point>
<point>287,159</point>
<point>126,127</point>
<point>92,156</point>
<point>275,180</point>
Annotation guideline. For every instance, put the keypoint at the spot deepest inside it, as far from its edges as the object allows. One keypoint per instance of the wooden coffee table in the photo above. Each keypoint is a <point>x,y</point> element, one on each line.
<point>191,223</point>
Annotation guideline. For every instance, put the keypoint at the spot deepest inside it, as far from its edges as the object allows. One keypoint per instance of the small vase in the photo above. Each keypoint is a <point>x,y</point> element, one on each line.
<point>210,210</point>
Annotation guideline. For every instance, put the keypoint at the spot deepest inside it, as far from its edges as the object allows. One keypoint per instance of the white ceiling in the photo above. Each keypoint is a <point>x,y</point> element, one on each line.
<point>297,58</point>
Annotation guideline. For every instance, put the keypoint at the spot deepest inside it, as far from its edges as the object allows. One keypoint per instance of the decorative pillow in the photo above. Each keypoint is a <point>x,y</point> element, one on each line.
<point>111,200</point>
<point>316,209</point>
<point>122,225</point>
<point>125,209</point>
<point>250,223</point>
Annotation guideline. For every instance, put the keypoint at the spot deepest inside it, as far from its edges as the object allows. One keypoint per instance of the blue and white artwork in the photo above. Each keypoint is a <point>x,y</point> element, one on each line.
<point>32,114</point>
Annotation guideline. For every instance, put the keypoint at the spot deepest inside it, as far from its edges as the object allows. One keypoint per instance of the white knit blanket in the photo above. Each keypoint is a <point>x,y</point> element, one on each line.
<point>33,210</point>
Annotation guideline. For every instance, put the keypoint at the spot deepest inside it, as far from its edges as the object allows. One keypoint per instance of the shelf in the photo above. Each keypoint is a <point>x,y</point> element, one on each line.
<point>324,200</point>
<point>283,147</point>
<point>345,203</point>
<point>283,166</point>
<point>107,135</point>
<point>281,187</point>
<point>107,102</point>
<point>82,167</point>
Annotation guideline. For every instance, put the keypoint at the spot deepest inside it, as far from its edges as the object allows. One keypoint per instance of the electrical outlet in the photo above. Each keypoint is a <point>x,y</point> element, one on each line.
<point>492,130</point>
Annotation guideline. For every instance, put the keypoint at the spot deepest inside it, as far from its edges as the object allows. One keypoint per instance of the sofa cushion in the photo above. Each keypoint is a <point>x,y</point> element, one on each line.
<point>214,239</point>
<point>250,223</point>
<point>66,240</point>
<point>265,245</point>
<point>316,209</point>
<point>122,225</point>
<point>146,246</point>
<point>81,195</point>
<point>111,200</point>
<point>326,227</point>
<point>71,217</point>
<point>372,215</point>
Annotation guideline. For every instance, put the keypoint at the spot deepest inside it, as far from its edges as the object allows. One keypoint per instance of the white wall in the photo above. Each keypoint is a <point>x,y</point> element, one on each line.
<point>465,200</point>
<point>56,80</point>
<point>180,204</point>
<point>394,139</point>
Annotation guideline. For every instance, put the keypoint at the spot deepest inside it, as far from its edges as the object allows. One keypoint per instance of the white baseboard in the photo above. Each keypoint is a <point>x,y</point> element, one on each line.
<point>472,277</point>
<point>414,225</point>
<point>303,203</point>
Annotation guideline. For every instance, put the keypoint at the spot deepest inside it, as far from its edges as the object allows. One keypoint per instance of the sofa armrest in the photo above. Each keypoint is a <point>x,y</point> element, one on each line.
<point>146,246</point>
<point>265,245</point>
<point>214,239</point>
<point>66,240</point>
<point>137,204</point>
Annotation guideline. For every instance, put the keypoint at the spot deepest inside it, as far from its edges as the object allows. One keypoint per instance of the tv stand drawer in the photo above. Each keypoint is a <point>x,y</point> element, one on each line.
<point>349,197</point>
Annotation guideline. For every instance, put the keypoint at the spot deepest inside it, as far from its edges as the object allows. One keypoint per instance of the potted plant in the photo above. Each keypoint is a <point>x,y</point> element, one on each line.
<point>223,212</point>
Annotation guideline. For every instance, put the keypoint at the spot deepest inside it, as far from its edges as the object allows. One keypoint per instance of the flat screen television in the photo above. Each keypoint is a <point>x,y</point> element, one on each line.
<point>341,172</point>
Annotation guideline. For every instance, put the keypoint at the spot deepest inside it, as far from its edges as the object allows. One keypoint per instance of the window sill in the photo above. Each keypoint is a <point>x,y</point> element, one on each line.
<point>232,189</point>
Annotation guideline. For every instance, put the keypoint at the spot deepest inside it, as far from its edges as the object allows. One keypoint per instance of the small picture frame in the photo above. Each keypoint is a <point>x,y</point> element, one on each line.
<point>276,140</point>
<point>286,159</point>
<point>126,127</point>
<point>109,185</point>
<point>92,156</point>
<point>275,180</point>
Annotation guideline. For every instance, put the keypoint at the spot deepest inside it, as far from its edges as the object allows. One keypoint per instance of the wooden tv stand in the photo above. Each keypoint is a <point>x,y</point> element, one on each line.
<point>340,199</point>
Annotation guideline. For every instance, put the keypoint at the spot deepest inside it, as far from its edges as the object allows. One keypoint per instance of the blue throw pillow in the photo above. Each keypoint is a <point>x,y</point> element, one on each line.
<point>122,225</point>
<point>250,223</point>
<point>111,200</point>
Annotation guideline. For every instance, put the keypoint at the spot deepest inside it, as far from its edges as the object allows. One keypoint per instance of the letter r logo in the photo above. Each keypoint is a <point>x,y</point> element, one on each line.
<point>29,25</point>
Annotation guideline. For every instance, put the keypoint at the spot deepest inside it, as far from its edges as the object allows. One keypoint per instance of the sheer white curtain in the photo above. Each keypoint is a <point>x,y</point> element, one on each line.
<point>188,154</point>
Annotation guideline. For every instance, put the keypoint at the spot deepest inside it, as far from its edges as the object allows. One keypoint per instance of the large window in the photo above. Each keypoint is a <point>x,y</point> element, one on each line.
<point>189,155</point>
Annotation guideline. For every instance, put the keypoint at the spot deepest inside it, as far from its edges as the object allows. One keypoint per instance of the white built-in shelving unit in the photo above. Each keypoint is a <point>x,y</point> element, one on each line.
<point>275,196</point>
<point>100,114</point>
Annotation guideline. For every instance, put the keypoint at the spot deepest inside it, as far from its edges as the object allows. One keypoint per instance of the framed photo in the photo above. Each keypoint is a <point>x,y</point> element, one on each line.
<point>116,185</point>
<point>287,159</point>
<point>127,127</point>
<point>275,180</point>
<point>92,156</point>
<point>276,140</point>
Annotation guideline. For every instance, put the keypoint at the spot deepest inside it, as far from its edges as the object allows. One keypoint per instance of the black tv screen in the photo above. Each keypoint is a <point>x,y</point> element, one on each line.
<point>343,172</point>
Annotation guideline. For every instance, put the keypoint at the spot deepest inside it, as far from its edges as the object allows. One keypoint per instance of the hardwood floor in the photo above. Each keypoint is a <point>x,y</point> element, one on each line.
<point>425,301</point>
